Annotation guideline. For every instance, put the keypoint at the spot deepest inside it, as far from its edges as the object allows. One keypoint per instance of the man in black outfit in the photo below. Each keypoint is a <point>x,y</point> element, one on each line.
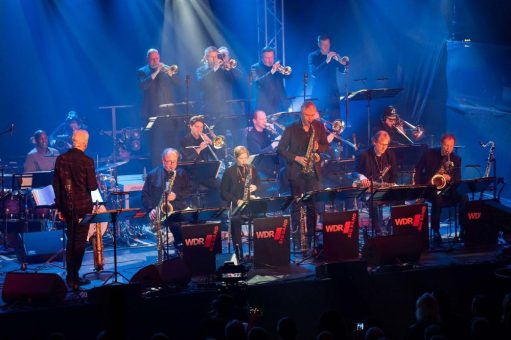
<point>376,166</point>
<point>389,123</point>
<point>156,183</point>
<point>216,81</point>
<point>236,189</point>
<point>323,69</point>
<point>444,160</point>
<point>270,94</point>
<point>293,147</point>
<point>73,182</point>
<point>159,85</point>
<point>259,138</point>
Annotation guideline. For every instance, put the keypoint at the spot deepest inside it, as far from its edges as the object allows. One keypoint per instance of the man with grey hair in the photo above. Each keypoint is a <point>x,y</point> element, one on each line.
<point>73,182</point>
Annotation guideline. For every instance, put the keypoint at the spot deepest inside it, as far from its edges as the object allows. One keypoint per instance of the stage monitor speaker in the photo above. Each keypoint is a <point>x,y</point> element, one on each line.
<point>340,236</point>
<point>271,241</point>
<point>393,249</point>
<point>412,219</point>
<point>480,228</point>
<point>38,247</point>
<point>201,243</point>
<point>170,272</point>
<point>33,288</point>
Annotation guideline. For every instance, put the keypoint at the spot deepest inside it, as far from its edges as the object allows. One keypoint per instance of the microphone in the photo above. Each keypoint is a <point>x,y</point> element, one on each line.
<point>11,129</point>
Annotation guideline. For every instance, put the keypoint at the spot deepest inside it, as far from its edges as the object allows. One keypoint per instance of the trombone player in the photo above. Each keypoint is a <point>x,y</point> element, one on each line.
<point>197,146</point>
<point>394,126</point>
<point>441,163</point>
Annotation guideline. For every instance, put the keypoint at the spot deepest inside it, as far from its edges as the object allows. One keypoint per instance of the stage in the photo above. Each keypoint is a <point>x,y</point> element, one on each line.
<point>381,295</point>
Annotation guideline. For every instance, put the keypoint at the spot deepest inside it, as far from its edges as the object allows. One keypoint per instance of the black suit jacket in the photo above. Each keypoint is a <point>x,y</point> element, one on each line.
<point>270,94</point>
<point>73,182</point>
<point>430,163</point>
<point>160,90</point>
<point>155,183</point>
<point>233,183</point>
<point>367,165</point>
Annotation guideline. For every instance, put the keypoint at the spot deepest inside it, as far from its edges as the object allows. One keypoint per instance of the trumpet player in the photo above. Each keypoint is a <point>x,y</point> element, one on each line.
<point>239,182</point>
<point>444,162</point>
<point>215,84</point>
<point>268,80</point>
<point>299,145</point>
<point>323,67</point>
<point>261,137</point>
<point>155,186</point>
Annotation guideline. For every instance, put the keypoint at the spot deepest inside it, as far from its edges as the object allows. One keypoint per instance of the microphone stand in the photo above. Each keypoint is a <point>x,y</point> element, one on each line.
<point>187,84</point>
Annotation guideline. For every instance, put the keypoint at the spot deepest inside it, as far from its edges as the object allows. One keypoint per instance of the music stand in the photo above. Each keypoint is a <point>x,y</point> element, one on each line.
<point>263,161</point>
<point>370,94</point>
<point>471,186</point>
<point>258,206</point>
<point>111,216</point>
<point>201,172</point>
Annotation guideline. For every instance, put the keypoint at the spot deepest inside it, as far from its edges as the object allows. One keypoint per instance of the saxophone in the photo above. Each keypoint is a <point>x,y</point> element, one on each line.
<point>163,207</point>
<point>311,156</point>
<point>438,179</point>
<point>246,188</point>
<point>97,244</point>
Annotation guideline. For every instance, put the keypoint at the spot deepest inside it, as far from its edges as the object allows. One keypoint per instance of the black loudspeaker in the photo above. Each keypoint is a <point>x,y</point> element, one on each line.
<point>480,229</point>
<point>340,236</point>
<point>33,287</point>
<point>500,214</point>
<point>38,247</point>
<point>394,249</point>
<point>170,272</point>
<point>201,243</point>
<point>271,241</point>
<point>411,219</point>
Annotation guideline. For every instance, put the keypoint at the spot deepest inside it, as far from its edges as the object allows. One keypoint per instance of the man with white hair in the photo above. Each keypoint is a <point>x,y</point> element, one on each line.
<point>74,179</point>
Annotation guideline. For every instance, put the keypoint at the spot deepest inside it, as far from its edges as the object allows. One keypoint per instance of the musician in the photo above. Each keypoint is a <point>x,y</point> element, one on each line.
<point>197,146</point>
<point>216,81</point>
<point>294,145</point>
<point>42,157</point>
<point>376,167</point>
<point>155,185</point>
<point>323,68</point>
<point>73,182</point>
<point>270,94</point>
<point>259,137</point>
<point>389,123</point>
<point>431,163</point>
<point>60,138</point>
<point>239,182</point>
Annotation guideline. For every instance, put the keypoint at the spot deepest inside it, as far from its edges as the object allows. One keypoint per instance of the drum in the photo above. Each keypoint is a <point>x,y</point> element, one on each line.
<point>11,206</point>
<point>106,182</point>
<point>102,226</point>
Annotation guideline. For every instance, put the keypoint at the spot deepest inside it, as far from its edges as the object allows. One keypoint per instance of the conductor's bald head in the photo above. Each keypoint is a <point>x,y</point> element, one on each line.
<point>80,139</point>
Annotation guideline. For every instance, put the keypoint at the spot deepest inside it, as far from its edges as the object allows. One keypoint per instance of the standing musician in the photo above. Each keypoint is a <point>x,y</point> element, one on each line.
<point>268,77</point>
<point>299,145</point>
<point>216,79</point>
<point>73,182</point>
<point>323,67</point>
<point>376,166</point>
<point>390,124</point>
<point>260,136</point>
<point>155,185</point>
<point>444,162</point>
<point>239,182</point>
<point>42,157</point>
<point>197,146</point>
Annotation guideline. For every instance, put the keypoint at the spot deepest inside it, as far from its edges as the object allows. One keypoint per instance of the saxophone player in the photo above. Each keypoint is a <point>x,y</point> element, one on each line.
<point>239,182</point>
<point>301,142</point>
<point>155,186</point>
<point>441,160</point>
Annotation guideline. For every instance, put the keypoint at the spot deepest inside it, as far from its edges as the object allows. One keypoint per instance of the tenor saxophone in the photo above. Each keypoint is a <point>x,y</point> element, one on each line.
<point>97,245</point>
<point>164,206</point>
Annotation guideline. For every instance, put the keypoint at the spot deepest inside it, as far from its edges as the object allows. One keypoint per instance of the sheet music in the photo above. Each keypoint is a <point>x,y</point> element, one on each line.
<point>96,196</point>
<point>43,196</point>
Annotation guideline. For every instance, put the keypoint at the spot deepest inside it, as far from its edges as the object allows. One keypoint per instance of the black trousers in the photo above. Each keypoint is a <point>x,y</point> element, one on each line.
<point>446,201</point>
<point>75,249</point>
<point>299,185</point>
<point>236,222</point>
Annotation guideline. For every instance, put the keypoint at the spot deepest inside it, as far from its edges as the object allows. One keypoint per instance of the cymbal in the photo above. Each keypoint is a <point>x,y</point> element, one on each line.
<point>110,166</point>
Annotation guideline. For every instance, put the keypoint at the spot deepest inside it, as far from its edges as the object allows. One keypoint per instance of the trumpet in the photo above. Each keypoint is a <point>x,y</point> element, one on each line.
<point>341,60</point>
<point>171,68</point>
<point>229,65</point>
<point>285,70</point>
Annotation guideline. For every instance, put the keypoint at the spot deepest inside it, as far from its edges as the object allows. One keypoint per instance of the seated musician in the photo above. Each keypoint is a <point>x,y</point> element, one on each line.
<point>376,167</point>
<point>444,162</point>
<point>42,157</point>
<point>156,183</point>
<point>239,182</point>
<point>390,124</point>
<point>259,137</point>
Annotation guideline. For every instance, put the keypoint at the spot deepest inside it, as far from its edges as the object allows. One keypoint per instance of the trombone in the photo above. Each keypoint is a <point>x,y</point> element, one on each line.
<point>218,142</point>
<point>417,130</point>
<point>338,127</point>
